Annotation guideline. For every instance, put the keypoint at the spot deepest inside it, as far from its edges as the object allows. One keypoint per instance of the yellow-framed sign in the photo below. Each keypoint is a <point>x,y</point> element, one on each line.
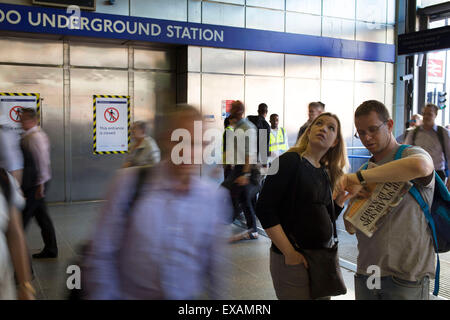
<point>11,105</point>
<point>112,118</point>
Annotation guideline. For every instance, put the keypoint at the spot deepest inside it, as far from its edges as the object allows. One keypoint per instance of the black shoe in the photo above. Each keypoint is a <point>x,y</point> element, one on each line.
<point>44,255</point>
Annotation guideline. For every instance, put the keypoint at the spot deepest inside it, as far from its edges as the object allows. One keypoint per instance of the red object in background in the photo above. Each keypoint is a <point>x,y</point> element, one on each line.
<point>228,105</point>
<point>111,114</point>
<point>14,113</point>
<point>435,68</point>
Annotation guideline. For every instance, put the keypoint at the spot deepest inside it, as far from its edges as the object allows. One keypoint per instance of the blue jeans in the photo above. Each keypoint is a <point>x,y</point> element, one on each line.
<point>392,288</point>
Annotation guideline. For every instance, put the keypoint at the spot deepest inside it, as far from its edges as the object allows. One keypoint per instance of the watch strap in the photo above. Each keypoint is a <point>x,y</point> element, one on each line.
<point>360,178</point>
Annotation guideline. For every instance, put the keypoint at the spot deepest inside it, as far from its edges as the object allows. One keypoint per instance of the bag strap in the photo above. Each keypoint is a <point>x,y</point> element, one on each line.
<point>426,210</point>
<point>416,129</point>
<point>292,206</point>
<point>142,174</point>
<point>441,141</point>
<point>333,211</point>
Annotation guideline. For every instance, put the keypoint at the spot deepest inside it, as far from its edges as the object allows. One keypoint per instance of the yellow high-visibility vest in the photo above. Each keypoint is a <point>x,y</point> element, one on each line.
<point>223,145</point>
<point>278,143</point>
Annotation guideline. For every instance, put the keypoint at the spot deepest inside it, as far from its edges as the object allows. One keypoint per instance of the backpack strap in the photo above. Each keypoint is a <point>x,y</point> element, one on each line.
<point>142,174</point>
<point>440,133</point>
<point>416,129</point>
<point>426,210</point>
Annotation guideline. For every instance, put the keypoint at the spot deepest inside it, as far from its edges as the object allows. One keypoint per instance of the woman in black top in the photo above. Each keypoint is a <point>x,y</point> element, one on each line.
<point>295,205</point>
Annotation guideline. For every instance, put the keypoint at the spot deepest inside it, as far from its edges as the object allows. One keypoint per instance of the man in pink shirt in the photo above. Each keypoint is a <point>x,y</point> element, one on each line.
<point>36,176</point>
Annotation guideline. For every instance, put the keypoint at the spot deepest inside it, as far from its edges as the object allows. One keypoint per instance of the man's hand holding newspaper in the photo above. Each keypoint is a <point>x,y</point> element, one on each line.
<point>369,203</point>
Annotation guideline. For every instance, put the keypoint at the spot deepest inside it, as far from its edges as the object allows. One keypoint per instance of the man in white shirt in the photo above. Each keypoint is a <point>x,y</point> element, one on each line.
<point>36,176</point>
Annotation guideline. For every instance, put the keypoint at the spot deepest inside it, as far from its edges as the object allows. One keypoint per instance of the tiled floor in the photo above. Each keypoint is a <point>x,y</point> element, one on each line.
<point>248,266</point>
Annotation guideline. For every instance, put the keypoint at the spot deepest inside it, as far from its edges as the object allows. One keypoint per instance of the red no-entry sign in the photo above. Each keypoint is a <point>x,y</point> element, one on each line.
<point>14,113</point>
<point>111,114</point>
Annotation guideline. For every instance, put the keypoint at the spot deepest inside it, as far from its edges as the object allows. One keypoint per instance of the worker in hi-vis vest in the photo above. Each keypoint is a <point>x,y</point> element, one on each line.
<point>227,166</point>
<point>278,142</point>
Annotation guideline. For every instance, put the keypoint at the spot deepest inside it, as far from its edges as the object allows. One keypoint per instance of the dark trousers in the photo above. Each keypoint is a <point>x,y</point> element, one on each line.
<point>245,196</point>
<point>38,209</point>
<point>227,170</point>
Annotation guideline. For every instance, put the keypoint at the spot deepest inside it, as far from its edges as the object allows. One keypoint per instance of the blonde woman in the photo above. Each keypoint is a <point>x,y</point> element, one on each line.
<point>295,206</point>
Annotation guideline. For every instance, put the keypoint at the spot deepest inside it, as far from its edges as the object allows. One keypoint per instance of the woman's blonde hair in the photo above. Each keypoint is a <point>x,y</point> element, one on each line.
<point>335,159</point>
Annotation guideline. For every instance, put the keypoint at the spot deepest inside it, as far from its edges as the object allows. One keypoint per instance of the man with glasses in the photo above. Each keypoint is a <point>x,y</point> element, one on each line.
<point>434,139</point>
<point>402,247</point>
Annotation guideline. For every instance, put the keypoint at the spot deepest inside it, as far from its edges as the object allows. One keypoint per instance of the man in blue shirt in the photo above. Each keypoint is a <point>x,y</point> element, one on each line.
<point>170,243</point>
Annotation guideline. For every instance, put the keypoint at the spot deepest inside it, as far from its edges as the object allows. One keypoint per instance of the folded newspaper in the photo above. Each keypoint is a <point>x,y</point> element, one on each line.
<point>364,214</point>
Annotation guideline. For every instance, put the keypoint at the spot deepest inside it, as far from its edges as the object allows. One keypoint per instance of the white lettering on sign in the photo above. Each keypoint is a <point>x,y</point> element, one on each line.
<point>13,13</point>
<point>73,20</point>
<point>180,32</point>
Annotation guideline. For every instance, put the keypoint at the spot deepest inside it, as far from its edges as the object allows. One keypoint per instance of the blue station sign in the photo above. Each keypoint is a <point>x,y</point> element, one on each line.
<point>73,22</point>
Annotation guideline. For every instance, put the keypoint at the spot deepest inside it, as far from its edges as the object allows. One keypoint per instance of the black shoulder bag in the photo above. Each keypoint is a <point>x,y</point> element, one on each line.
<point>325,276</point>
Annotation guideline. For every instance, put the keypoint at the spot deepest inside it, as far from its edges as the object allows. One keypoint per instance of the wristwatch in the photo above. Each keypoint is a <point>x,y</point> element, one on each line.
<point>360,178</point>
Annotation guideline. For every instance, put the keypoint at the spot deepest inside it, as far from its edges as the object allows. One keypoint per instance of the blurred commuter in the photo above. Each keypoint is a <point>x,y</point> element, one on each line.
<point>263,128</point>
<point>243,182</point>
<point>10,154</point>
<point>227,164</point>
<point>35,181</point>
<point>433,139</point>
<point>13,250</point>
<point>295,206</point>
<point>416,121</point>
<point>401,138</point>
<point>143,149</point>
<point>161,233</point>
<point>278,143</point>
<point>402,246</point>
<point>314,109</point>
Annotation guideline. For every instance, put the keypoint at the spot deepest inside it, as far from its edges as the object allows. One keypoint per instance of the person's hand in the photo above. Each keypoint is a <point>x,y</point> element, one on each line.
<point>242,180</point>
<point>24,293</point>
<point>295,258</point>
<point>339,196</point>
<point>348,183</point>
<point>349,227</point>
<point>364,193</point>
<point>40,192</point>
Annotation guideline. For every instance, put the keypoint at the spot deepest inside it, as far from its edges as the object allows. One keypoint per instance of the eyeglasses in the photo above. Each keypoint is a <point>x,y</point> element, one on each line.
<point>371,131</point>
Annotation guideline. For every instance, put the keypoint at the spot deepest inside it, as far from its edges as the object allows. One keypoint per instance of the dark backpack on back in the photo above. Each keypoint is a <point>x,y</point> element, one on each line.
<point>438,217</point>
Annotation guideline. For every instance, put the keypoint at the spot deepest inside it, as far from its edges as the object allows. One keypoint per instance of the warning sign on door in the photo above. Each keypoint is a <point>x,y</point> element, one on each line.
<point>111,124</point>
<point>11,105</point>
